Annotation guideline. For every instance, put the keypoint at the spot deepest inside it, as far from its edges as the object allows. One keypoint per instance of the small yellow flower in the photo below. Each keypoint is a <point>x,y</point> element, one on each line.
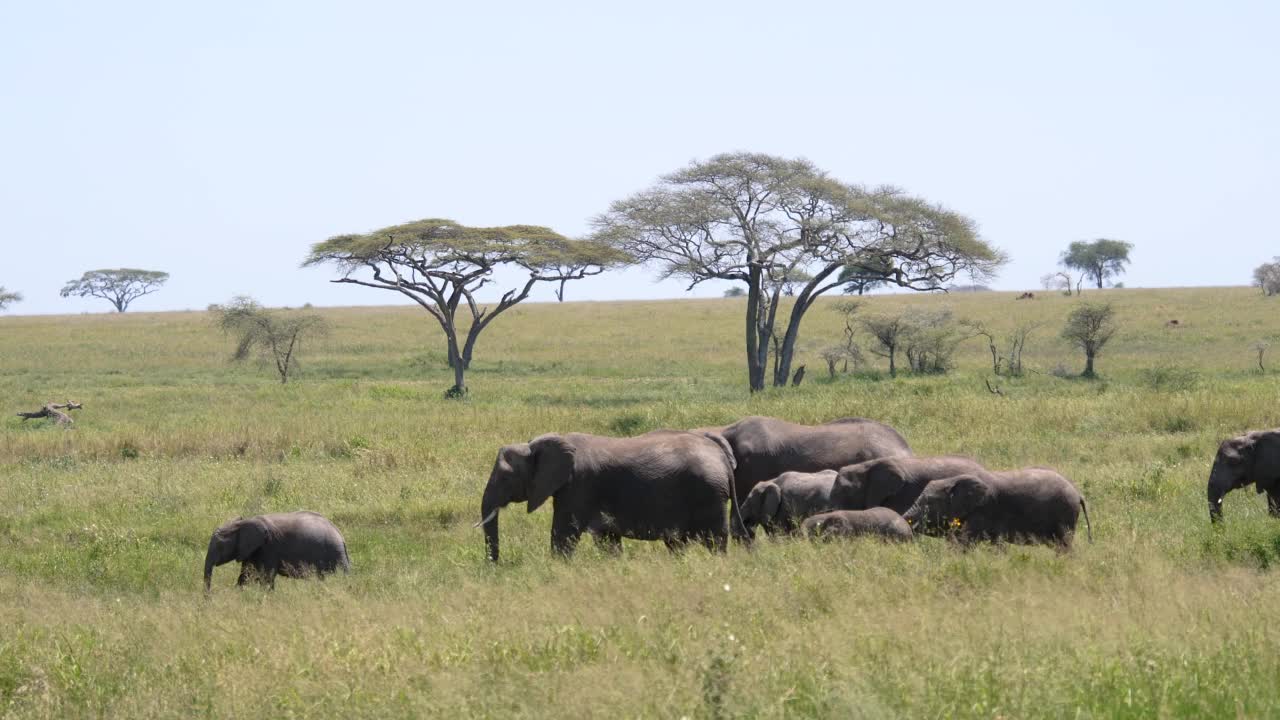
<point>955,523</point>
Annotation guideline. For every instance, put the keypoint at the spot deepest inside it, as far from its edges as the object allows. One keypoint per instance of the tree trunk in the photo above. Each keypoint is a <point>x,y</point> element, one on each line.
<point>1088,365</point>
<point>893,368</point>
<point>755,365</point>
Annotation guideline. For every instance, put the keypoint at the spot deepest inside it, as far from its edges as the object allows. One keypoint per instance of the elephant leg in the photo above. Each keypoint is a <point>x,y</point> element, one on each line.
<point>244,575</point>
<point>609,543</point>
<point>675,541</point>
<point>270,578</point>
<point>565,531</point>
<point>1273,502</point>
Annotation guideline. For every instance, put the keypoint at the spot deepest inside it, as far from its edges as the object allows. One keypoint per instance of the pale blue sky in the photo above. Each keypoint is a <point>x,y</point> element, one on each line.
<point>216,141</point>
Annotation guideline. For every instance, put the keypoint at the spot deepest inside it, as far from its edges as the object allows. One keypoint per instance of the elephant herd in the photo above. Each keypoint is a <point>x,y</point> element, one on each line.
<point>850,476</point>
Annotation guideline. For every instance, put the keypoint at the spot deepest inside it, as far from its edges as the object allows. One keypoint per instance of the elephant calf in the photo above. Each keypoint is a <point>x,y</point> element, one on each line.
<point>849,523</point>
<point>781,503</point>
<point>295,544</point>
<point>1032,505</point>
<point>895,482</point>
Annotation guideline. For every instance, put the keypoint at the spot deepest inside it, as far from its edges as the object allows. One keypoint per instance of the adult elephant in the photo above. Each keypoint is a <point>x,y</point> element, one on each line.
<point>895,482</point>
<point>766,447</point>
<point>295,544</point>
<point>664,485</point>
<point>1252,458</point>
<point>1029,505</point>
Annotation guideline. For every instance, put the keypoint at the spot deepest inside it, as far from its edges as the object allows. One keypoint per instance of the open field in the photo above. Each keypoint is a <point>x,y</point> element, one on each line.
<point>103,527</point>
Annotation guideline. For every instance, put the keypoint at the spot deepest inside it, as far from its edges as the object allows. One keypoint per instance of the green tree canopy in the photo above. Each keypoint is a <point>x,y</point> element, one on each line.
<point>8,298</point>
<point>1090,326</point>
<point>863,274</point>
<point>120,287</point>
<point>1099,259</point>
<point>766,221</point>
<point>440,265</point>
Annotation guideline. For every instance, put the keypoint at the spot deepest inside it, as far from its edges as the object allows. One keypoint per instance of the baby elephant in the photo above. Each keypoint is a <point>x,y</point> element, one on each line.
<point>1032,505</point>
<point>779,504</point>
<point>884,522</point>
<point>293,544</point>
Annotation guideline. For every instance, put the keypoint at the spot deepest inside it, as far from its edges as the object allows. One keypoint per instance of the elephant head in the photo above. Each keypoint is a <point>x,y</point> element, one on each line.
<point>1250,458</point>
<point>868,484</point>
<point>762,505</point>
<point>237,540</point>
<point>528,472</point>
<point>947,502</point>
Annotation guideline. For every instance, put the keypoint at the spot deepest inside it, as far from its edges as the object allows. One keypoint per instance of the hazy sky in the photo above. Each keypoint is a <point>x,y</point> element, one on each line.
<point>217,141</point>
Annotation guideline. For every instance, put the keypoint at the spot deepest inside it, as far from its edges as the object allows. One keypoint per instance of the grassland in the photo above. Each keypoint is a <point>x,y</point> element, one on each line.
<point>103,527</point>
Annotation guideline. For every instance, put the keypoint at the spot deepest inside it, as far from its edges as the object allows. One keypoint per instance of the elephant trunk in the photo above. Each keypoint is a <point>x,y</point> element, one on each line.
<point>489,508</point>
<point>1219,485</point>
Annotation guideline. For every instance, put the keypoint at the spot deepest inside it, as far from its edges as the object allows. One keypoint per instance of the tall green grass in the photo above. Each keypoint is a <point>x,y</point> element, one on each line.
<point>103,527</point>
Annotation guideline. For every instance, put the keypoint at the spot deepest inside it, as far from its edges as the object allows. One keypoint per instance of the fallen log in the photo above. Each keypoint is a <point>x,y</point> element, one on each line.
<point>55,411</point>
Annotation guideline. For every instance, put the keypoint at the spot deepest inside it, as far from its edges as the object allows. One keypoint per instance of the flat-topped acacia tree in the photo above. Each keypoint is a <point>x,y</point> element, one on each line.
<point>773,224</point>
<point>440,265</point>
<point>120,287</point>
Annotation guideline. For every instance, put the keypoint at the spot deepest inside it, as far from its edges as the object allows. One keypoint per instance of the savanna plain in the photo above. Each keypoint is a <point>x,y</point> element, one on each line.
<point>103,526</point>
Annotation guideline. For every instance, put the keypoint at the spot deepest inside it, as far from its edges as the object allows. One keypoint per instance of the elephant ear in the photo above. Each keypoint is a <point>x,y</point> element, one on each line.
<point>552,458</point>
<point>1264,469</point>
<point>771,501</point>
<point>883,481</point>
<point>966,494</point>
<point>250,537</point>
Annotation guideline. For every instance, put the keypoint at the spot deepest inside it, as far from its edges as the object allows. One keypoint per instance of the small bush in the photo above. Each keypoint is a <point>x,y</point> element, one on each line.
<point>629,424</point>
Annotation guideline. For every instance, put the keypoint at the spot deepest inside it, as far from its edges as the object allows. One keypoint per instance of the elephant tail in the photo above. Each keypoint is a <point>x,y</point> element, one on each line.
<point>1087,525</point>
<point>735,511</point>
<point>346,559</point>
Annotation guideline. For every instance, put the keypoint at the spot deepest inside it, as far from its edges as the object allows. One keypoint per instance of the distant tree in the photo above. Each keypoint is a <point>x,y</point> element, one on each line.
<point>275,335</point>
<point>440,265</point>
<point>1090,327</point>
<point>120,287</point>
<point>8,298</point>
<point>848,309</point>
<point>1098,260</point>
<point>760,220</point>
<point>865,273</point>
<point>735,292</point>
<point>1009,363</point>
<point>931,340</point>
<point>1261,348</point>
<point>1266,277</point>
<point>1060,281</point>
<point>889,331</point>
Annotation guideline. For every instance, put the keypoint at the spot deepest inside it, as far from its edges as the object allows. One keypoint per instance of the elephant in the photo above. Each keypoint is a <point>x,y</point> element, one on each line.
<point>668,485</point>
<point>895,482</point>
<point>849,523</point>
<point>295,544</point>
<point>766,447</point>
<point>1250,458</point>
<point>781,503</point>
<point>1029,505</point>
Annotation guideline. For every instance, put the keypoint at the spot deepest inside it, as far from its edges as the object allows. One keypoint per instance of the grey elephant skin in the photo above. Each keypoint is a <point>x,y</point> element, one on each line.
<point>665,485</point>
<point>880,522</point>
<point>895,482</point>
<point>781,504</point>
<point>1249,459</point>
<point>766,447</point>
<point>295,544</point>
<point>1034,505</point>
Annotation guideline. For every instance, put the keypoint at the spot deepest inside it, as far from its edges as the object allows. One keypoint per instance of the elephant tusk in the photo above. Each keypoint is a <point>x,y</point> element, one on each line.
<point>492,513</point>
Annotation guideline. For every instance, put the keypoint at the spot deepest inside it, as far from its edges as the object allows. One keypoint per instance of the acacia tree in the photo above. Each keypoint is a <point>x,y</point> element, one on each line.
<point>1099,259</point>
<point>1267,277</point>
<point>275,335</point>
<point>1090,327</point>
<point>8,298</point>
<point>865,274</point>
<point>763,220</point>
<point>440,265</point>
<point>120,287</point>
